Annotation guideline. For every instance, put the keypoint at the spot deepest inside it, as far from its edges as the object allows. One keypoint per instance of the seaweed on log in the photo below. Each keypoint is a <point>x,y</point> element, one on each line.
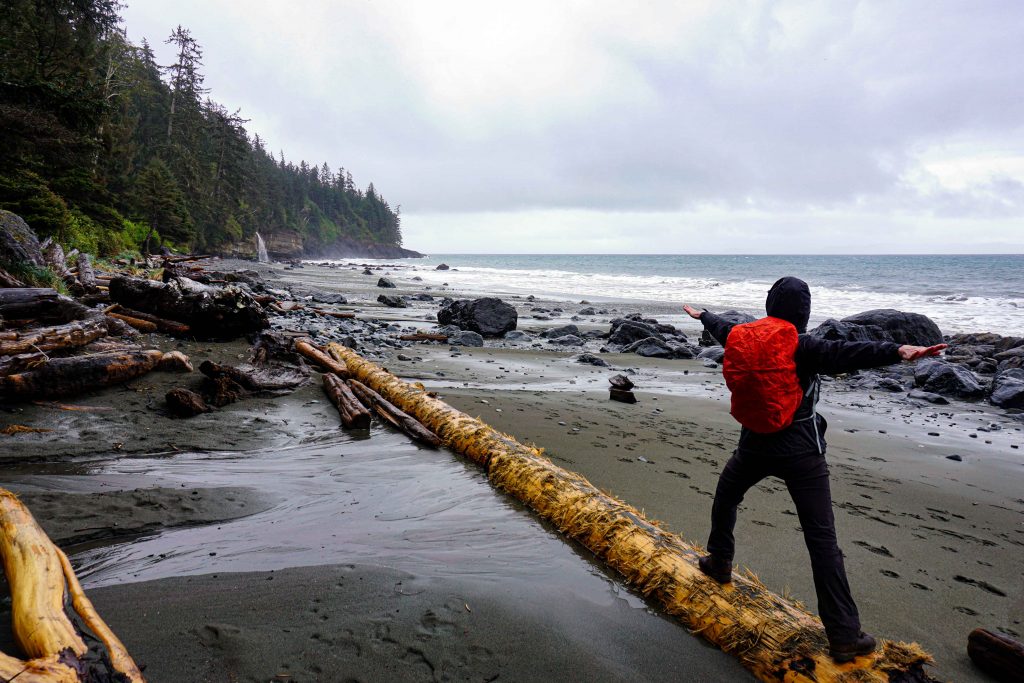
<point>774,637</point>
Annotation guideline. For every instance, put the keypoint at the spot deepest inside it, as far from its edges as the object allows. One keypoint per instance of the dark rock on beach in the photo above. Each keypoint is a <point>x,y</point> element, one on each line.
<point>489,316</point>
<point>898,326</point>
<point>555,332</point>
<point>929,397</point>
<point>1008,389</point>
<point>516,336</point>
<point>442,266</point>
<point>385,282</point>
<point>625,332</point>
<point>566,340</point>
<point>466,338</point>
<point>591,359</point>
<point>946,379</point>
<point>392,301</point>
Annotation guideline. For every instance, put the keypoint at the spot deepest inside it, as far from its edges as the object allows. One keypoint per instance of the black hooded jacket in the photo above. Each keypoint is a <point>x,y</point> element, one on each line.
<point>790,299</point>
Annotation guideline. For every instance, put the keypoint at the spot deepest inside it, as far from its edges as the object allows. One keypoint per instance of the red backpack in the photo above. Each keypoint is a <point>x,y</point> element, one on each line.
<point>760,371</point>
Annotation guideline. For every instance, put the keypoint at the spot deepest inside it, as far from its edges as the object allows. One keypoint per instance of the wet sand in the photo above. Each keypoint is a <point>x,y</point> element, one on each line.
<point>941,539</point>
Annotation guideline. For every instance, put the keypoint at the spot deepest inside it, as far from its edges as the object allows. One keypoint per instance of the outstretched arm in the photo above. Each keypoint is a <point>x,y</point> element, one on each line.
<point>718,328</point>
<point>909,352</point>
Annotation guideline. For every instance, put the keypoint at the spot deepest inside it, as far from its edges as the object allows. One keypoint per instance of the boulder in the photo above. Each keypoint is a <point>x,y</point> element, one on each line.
<point>650,348</point>
<point>712,353</point>
<point>18,244</point>
<point>928,396</point>
<point>516,336</point>
<point>555,332</point>
<point>627,332</point>
<point>422,297</point>
<point>684,351</point>
<point>466,338</point>
<point>392,301</point>
<point>731,316</point>
<point>385,282</point>
<point>1008,389</point>
<point>589,310</point>
<point>488,316</point>
<point>1011,358</point>
<point>591,359</point>
<point>899,327</point>
<point>946,379</point>
<point>442,266</point>
<point>211,312</point>
<point>567,340</point>
<point>835,330</point>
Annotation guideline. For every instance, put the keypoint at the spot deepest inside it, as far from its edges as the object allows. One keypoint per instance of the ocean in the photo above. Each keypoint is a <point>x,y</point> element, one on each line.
<point>969,293</point>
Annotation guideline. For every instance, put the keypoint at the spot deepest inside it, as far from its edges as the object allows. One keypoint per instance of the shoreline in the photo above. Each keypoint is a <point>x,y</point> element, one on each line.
<point>910,520</point>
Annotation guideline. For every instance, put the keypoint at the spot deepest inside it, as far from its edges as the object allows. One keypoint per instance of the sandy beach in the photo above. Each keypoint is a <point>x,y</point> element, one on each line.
<point>261,542</point>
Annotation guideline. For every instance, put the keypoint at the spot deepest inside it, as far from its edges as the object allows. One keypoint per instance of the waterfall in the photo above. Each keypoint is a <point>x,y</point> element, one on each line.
<point>261,250</point>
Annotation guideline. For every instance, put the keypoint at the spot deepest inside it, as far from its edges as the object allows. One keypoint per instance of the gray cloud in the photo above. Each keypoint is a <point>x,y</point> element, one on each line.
<point>776,107</point>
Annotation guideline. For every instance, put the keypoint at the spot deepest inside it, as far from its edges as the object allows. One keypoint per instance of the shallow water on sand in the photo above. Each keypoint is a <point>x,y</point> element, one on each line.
<point>382,501</point>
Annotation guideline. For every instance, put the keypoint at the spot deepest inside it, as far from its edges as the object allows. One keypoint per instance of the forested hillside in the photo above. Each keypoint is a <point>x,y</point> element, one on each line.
<point>107,150</point>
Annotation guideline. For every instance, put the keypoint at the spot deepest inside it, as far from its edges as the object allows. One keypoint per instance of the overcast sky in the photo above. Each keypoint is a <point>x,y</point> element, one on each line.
<point>640,127</point>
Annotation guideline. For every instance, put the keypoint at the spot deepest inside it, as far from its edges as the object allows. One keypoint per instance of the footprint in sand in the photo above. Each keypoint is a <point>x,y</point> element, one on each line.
<point>876,549</point>
<point>891,574</point>
<point>983,585</point>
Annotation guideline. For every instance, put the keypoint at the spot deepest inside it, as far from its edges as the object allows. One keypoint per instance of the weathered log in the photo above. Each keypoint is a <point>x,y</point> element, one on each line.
<point>137,323</point>
<point>334,314</point>
<point>68,376</point>
<point>54,256</point>
<point>314,353</point>
<point>353,414</point>
<point>424,336</point>
<point>622,395</point>
<point>999,656</point>
<point>162,324</point>
<point>45,596</point>
<point>211,312</point>
<point>86,275</point>
<point>42,304</point>
<point>271,381</point>
<point>21,362</point>
<point>67,336</point>
<point>397,417</point>
<point>774,637</point>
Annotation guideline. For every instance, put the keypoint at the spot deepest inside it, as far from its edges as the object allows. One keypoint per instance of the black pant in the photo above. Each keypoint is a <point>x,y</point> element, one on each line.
<point>806,477</point>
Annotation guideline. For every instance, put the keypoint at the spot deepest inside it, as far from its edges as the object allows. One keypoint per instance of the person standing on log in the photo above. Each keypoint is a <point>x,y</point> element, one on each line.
<point>789,443</point>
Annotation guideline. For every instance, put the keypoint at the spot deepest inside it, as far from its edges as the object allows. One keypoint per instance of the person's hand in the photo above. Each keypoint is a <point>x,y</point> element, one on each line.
<point>691,311</point>
<point>908,352</point>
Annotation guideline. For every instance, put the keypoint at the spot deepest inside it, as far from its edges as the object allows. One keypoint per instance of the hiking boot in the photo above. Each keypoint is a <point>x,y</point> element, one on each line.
<point>719,570</point>
<point>847,652</point>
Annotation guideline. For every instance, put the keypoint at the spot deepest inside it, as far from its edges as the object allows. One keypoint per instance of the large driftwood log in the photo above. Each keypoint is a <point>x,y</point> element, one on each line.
<point>68,336</point>
<point>394,415</point>
<point>997,655</point>
<point>424,336</point>
<point>68,376</point>
<point>42,304</point>
<point>774,637</point>
<point>46,602</point>
<point>210,312</point>
<point>137,323</point>
<point>314,353</point>
<point>353,414</point>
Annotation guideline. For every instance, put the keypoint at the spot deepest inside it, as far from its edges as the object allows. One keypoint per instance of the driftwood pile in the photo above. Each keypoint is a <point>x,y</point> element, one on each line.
<point>51,345</point>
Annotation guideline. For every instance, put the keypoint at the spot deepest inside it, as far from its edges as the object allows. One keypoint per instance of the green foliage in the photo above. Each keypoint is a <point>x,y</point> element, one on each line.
<point>33,275</point>
<point>92,130</point>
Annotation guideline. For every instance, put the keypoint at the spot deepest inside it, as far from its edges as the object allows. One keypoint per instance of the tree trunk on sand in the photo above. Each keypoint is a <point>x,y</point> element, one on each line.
<point>775,638</point>
<point>68,336</point>
<point>995,654</point>
<point>68,376</point>
<point>46,603</point>
<point>137,323</point>
<point>393,415</point>
<point>424,336</point>
<point>317,355</point>
<point>353,414</point>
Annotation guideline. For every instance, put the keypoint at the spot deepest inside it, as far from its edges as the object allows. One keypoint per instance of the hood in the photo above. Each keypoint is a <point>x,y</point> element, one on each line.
<point>790,299</point>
